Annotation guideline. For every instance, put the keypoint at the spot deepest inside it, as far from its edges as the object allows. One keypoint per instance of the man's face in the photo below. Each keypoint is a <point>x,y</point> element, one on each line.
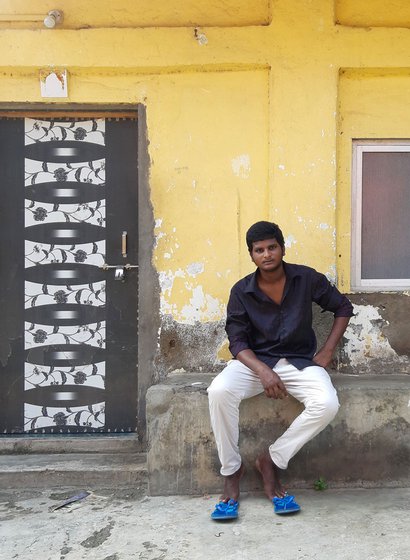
<point>267,254</point>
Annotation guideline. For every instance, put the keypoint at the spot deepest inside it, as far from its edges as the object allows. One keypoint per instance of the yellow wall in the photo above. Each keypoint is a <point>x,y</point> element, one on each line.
<point>243,121</point>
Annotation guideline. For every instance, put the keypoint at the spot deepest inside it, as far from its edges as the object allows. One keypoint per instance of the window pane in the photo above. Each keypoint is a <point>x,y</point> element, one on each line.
<point>386,215</point>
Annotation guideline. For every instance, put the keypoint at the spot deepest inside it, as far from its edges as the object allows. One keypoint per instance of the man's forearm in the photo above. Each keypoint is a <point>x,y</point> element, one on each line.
<point>325,354</point>
<point>249,359</point>
<point>338,329</point>
<point>271,382</point>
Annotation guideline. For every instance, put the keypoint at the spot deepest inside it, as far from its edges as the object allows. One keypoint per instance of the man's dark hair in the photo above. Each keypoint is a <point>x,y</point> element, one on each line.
<point>264,230</point>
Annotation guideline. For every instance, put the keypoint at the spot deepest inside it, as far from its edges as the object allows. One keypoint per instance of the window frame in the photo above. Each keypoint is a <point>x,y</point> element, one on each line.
<point>358,284</point>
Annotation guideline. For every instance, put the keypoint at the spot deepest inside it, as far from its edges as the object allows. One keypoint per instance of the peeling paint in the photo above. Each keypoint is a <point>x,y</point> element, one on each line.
<point>289,241</point>
<point>195,268</point>
<point>200,37</point>
<point>223,353</point>
<point>324,226</point>
<point>241,166</point>
<point>203,307</point>
<point>158,235</point>
<point>166,282</point>
<point>364,337</point>
<point>331,274</point>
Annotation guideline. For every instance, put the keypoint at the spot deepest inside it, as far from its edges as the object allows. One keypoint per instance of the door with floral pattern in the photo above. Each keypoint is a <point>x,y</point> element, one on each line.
<point>68,342</point>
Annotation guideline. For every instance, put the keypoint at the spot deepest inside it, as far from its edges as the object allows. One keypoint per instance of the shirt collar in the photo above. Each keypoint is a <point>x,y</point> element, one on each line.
<point>291,272</point>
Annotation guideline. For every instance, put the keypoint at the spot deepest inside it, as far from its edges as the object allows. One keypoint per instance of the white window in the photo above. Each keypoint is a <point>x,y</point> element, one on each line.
<point>381,215</point>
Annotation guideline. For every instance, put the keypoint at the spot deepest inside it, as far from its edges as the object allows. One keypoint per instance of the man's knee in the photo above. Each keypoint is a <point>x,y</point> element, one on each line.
<point>326,407</point>
<point>330,407</point>
<point>217,391</point>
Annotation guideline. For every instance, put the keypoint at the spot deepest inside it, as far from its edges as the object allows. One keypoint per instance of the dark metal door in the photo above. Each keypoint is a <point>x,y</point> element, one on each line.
<point>68,341</point>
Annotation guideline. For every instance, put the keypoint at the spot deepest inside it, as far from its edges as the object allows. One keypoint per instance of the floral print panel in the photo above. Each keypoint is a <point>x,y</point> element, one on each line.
<point>37,130</point>
<point>39,253</point>
<point>93,334</point>
<point>88,417</point>
<point>92,375</point>
<point>47,294</point>
<point>90,212</point>
<point>65,323</point>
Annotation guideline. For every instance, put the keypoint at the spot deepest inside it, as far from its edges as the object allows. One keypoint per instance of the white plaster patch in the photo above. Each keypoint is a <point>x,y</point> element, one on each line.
<point>241,166</point>
<point>203,307</point>
<point>224,274</point>
<point>289,241</point>
<point>195,268</point>
<point>281,167</point>
<point>158,234</point>
<point>166,281</point>
<point>365,338</point>
<point>200,37</point>
<point>331,274</point>
<point>324,226</point>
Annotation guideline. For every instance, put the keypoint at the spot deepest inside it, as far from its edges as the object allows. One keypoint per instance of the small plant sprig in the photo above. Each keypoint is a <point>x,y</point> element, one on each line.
<point>320,484</point>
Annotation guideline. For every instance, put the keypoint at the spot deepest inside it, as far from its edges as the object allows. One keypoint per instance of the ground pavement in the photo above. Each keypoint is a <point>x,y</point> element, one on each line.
<point>365,524</point>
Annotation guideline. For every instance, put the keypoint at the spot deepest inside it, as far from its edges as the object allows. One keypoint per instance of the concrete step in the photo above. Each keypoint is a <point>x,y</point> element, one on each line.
<point>84,443</point>
<point>88,471</point>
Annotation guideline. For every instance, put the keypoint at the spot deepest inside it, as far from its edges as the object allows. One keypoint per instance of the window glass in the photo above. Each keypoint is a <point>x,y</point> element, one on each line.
<point>386,215</point>
<point>381,216</point>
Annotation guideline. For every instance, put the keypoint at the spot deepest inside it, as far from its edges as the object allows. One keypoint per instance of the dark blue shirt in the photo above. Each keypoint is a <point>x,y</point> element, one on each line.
<point>273,331</point>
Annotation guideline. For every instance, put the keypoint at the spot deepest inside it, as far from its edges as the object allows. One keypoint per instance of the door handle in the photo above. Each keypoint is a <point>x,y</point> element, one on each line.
<point>124,244</point>
<point>127,266</point>
<point>120,269</point>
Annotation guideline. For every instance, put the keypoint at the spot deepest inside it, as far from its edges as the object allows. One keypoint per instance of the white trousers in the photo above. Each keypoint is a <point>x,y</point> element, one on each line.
<point>311,386</point>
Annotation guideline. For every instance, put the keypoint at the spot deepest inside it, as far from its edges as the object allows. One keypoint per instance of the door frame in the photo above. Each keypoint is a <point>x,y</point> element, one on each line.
<point>148,285</point>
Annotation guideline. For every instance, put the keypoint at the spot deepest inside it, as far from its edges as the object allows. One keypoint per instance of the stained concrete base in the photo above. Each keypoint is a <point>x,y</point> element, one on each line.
<point>368,443</point>
<point>337,524</point>
<point>63,460</point>
<point>106,470</point>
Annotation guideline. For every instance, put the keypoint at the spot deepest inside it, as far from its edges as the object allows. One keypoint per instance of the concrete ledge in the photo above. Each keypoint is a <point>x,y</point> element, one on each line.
<point>83,443</point>
<point>75,470</point>
<point>368,443</point>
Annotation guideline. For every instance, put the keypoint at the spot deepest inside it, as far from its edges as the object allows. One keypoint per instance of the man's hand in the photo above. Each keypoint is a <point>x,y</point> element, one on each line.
<point>323,357</point>
<point>272,383</point>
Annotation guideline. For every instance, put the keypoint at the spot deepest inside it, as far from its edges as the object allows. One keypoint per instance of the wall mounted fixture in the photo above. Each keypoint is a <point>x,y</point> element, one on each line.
<point>52,18</point>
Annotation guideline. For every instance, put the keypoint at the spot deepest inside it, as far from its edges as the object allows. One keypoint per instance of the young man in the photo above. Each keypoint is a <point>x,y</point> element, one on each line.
<point>269,326</point>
